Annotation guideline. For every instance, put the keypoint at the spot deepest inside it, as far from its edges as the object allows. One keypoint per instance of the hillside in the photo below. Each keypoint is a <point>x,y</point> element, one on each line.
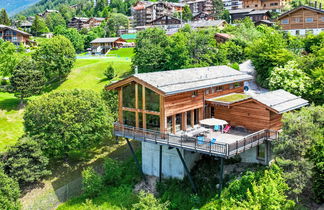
<point>15,6</point>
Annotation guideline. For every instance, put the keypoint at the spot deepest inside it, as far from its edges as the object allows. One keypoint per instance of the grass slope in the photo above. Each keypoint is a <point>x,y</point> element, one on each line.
<point>122,52</point>
<point>86,74</point>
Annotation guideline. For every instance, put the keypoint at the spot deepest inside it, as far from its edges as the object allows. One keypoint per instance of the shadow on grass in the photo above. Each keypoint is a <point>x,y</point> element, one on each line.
<point>53,85</point>
<point>9,104</point>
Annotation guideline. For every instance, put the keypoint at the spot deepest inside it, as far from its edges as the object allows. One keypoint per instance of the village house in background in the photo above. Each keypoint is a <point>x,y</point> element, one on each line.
<point>303,20</point>
<point>26,26</point>
<point>15,36</point>
<point>146,12</point>
<point>273,5</point>
<point>233,4</point>
<point>255,15</point>
<point>84,22</point>
<point>181,115</point>
<point>104,45</point>
<point>46,12</point>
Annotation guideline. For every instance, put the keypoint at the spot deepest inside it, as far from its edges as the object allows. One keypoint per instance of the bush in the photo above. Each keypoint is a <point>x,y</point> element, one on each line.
<point>147,201</point>
<point>64,121</point>
<point>9,192</point>
<point>91,182</point>
<point>110,72</point>
<point>112,172</point>
<point>26,162</point>
<point>111,99</point>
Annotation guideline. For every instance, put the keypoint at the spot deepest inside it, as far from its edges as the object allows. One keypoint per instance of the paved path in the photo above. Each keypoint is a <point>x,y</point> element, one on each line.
<point>248,68</point>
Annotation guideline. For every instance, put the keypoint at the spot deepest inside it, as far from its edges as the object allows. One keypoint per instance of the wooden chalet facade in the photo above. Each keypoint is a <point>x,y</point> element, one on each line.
<point>255,15</point>
<point>14,35</point>
<point>164,109</point>
<point>103,45</point>
<point>165,20</point>
<point>302,20</point>
<point>84,22</point>
<point>273,5</point>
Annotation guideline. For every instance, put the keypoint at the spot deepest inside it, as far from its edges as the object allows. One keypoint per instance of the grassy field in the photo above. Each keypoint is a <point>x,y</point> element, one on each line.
<point>122,52</point>
<point>86,74</point>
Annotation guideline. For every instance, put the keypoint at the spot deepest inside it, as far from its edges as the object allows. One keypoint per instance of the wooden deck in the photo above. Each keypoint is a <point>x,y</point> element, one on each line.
<point>227,145</point>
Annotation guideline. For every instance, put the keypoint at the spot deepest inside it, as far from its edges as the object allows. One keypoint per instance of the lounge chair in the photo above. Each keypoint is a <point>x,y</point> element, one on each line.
<point>200,140</point>
<point>216,127</point>
<point>213,141</point>
<point>227,128</point>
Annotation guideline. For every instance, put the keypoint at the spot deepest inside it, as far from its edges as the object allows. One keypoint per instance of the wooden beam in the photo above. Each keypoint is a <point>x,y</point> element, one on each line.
<point>162,115</point>
<point>136,105</point>
<point>120,105</point>
<point>143,106</point>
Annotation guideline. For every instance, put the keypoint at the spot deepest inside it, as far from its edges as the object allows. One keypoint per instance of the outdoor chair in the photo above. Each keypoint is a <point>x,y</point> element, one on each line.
<point>213,141</point>
<point>200,139</point>
<point>227,128</point>
<point>216,127</point>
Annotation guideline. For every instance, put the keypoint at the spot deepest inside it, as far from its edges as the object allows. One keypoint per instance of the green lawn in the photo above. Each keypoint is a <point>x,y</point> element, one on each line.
<point>122,52</point>
<point>232,98</point>
<point>86,74</point>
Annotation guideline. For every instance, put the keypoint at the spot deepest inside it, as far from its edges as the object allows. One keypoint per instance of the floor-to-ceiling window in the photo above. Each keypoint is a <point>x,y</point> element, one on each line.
<point>178,122</point>
<point>188,119</point>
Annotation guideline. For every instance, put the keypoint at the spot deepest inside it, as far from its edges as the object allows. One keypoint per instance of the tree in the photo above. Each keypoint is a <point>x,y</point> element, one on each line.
<point>147,201</point>
<point>111,99</point>
<point>116,22</point>
<point>53,20</point>
<point>110,72</point>
<point>218,6</point>
<point>55,57</point>
<point>186,14</point>
<point>67,121</point>
<point>4,18</point>
<point>290,78</point>
<point>8,57</point>
<point>25,161</point>
<point>39,26</point>
<point>9,192</point>
<point>301,131</point>
<point>91,182</point>
<point>263,189</point>
<point>26,80</point>
<point>268,52</point>
<point>235,50</point>
<point>149,51</point>
<point>105,12</point>
<point>73,35</point>
<point>112,172</point>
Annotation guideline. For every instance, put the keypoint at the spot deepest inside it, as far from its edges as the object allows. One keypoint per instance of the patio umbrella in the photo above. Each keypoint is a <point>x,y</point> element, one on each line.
<point>213,121</point>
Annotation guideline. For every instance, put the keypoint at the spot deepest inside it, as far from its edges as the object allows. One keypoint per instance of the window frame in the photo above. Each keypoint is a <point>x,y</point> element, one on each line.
<point>306,20</point>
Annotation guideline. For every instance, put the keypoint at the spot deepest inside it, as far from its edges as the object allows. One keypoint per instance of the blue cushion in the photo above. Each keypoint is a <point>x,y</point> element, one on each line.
<point>213,141</point>
<point>216,127</point>
<point>200,139</point>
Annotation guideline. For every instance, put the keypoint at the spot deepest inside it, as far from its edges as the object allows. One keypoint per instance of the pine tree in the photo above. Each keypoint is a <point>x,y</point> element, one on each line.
<point>4,19</point>
<point>26,80</point>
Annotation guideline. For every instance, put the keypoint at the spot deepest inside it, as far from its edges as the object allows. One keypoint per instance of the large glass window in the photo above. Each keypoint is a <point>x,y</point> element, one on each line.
<point>129,118</point>
<point>169,124</point>
<point>152,100</point>
<point>140,120</point>
<point>129,95</point>
<point>261,151</point>
<point>189,119</point>
<point>140,96</point>
<point>196,114</point>
<point>152,122</point>
<point>178,122</point>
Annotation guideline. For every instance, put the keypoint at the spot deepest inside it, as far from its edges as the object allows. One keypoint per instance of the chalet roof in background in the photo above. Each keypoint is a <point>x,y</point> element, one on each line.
<point>177,81</point>
<point>14,29</point>
<point>281,100</point>
<point>258,12</point>
<point>26,24</point>
<point>204,23</point>
<point>105,40</point>
<point>301,7</point>
<point>83,19</point>
<point>238,11</point>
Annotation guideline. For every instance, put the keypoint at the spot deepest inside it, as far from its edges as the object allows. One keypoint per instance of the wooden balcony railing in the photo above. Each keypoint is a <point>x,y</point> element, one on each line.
<point>191,144</point>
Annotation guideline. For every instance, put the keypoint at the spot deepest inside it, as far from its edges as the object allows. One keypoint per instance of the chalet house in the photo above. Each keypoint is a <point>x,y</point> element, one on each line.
<point>14,35</point>
<point>273,5</point>
<point>222,37</point>
<point>198,6</point>
<point>46,12</point>
<point>179,115</point>
<point>232,4</point>
<point>84,22</point>
<point>302,20</point>
<point>203,16</point>
<point>255,15</point>
<point>103,45</point>
<point>165,20</point>
<point>26,26</point>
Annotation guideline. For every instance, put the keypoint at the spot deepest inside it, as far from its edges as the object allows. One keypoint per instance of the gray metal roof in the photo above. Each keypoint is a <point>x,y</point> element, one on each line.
<point>258,12</point>
<point>237,11</point>
<point>177,81</point>
<point>105,40</point>
<point>209,23</point>
<point>281,100</point>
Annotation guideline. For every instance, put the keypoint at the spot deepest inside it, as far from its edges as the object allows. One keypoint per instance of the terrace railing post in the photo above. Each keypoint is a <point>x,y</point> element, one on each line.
<point>187,171</point>
<point>136,160</point>
<point>227,152</point>
<point>236,147</point>
<point>244,144</point>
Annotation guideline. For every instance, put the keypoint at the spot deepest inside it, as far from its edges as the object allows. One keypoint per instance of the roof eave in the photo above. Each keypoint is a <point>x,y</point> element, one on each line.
<point>293,108</point>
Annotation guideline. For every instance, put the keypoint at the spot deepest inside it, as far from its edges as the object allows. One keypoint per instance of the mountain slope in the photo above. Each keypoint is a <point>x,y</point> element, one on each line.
<point>15,6</point>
